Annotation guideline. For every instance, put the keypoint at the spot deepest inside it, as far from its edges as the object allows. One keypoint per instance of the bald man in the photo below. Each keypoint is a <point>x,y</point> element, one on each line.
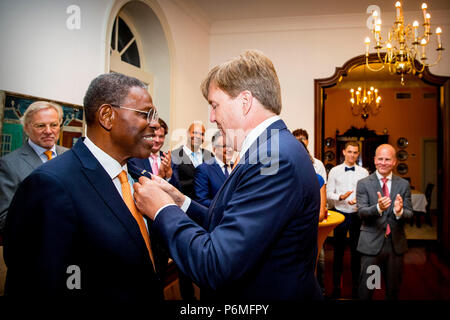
<point>384,201</point>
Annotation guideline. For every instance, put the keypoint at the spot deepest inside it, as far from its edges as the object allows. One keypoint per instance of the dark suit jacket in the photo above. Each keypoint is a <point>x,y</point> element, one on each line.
<point>186,170</point>
<point>258,239</point>
<point>68,212</point>
<point>145,164</point>
<point>208,179</point>
<point>373,226</point>
<point>14,168</point>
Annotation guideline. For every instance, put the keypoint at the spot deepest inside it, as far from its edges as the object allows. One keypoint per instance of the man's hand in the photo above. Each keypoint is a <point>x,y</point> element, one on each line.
<point>150,197</point>
<point>173,192</point>
<point>166,165</point>
<point>352,202</point>
<point>345,195</point>
<point>383,202</point>
<point>398,205</point>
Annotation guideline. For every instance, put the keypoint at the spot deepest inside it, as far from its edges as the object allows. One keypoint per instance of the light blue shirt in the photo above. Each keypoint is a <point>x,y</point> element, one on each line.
<point>40,151</point>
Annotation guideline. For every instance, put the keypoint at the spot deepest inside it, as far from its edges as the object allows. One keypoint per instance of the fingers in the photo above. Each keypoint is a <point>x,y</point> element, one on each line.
<point>379,195</point>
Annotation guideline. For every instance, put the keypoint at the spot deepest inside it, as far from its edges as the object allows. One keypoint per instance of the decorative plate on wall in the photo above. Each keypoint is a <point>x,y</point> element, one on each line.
<point>402,168</point>
<point>402,143</point>
<point>402,155</point>
<point>329,142</point>
<point>329,156</point>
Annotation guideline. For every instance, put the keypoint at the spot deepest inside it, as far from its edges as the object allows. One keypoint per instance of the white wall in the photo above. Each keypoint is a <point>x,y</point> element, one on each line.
<point>40,56</point>
<point>306,48</point>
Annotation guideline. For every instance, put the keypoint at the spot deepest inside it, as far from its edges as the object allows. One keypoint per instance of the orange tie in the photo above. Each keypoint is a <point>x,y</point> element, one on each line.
<point>49,154</point>
<point>236,162</point>
<point>128,199</point>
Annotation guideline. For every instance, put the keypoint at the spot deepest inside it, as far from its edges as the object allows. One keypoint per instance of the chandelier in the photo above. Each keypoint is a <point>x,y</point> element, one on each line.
<point>365,102</point>
<point>404,47</point>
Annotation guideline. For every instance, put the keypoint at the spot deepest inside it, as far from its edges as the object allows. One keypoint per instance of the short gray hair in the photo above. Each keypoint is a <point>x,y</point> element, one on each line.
<point>40,105</point>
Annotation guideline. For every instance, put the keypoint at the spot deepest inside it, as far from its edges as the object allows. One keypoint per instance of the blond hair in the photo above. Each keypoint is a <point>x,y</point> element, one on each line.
<point>37,106</point>
<point>251,71</point>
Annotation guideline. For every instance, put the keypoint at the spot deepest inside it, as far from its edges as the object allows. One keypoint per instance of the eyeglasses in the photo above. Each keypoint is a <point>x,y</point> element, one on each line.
<point>43,126</point>
<point>152,114</point>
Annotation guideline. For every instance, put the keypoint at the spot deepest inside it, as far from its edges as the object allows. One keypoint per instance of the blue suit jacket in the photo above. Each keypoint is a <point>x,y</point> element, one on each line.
<point>208,179</point>
<point>145,164</point>
<point>68,212</point>
<point>258,239</point>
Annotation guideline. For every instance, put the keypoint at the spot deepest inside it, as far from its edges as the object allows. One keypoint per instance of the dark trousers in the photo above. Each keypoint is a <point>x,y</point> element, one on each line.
<point>351,224</point>
<point>390,264</point>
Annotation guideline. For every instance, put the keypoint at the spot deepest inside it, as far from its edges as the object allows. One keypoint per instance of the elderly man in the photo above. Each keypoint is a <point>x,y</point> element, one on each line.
<point>384,201</point>
<point>72,227</point>
<point>209,177</point>
<point>41,122</point>
<point>258,239</point>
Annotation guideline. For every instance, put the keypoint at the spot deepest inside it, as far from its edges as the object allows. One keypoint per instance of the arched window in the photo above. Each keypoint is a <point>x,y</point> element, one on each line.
<point>126,52</point>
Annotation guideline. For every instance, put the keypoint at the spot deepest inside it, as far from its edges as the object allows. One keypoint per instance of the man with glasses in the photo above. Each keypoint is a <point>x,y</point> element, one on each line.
<point>41,123</point>
<point>73,228</point>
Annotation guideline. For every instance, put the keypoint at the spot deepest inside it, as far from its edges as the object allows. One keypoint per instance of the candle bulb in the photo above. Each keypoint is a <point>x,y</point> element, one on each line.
<point>398,5</point>
<point>424,10</point>
<point>367,42</point>
<point>374,19</point>
<point>427,18</point>
<point>423,43</point>
<point>415,26</point>
<point>438,33</point>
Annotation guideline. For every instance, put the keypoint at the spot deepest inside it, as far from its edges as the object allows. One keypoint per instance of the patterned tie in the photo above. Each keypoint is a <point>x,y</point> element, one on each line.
<point>225,172</point>
<point>386,194</point>
<point>155,168</point>
<point>49,154</point>
<point>128,199</point>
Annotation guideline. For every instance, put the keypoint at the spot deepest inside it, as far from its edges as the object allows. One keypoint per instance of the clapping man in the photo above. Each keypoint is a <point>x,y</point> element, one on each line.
<point>384,202</point>
<point>341,190</point>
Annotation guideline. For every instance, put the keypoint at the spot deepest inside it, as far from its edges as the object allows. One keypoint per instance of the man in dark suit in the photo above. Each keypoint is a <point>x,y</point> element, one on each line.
<point>384,201</point>
<point>185,159</point>
<point>189,156</point>
<point>258,239</point>
<point>72,227</point>
<point>209,177</point>
<point>41,122</point>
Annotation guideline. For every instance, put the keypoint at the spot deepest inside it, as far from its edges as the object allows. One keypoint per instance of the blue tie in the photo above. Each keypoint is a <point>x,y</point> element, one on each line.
<point>351,169</point>
<point>226,170</point>
<point>194,159</point>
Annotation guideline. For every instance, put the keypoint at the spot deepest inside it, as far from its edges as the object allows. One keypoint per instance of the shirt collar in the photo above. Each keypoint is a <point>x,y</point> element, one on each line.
<point>39,150</point>
<point>255,133</point>
<point>219,162</point>
<point>111,165</point>
<point>379,176</point>
<point>189,151</point>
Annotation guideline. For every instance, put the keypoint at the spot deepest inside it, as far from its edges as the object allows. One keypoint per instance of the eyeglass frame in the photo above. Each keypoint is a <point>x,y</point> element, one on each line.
<point>155,116</point>
<point>40,127</point>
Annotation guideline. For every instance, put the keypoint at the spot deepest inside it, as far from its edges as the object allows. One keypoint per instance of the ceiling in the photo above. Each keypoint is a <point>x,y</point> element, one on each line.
<point>217,10</point>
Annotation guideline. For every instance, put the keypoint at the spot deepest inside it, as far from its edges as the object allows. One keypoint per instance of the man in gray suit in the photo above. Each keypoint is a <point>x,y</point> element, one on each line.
<point>384,201</point>
<point>41,122</point>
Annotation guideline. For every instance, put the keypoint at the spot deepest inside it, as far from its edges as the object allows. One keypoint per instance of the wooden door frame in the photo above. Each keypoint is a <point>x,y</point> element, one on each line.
<point>443,105</point>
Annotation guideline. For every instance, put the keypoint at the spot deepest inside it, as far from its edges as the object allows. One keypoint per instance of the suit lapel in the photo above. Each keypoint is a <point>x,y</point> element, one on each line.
<point>30,156</point>
<point>105,189</point>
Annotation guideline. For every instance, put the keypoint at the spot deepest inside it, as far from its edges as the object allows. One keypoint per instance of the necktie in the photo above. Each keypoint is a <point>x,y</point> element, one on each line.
<point>49,154</point>
<point>225,172</point>
<point>155,169</point>
<point>128,199</point>
<point>236,162</point>
<point>349,169</point>
<point>194,159</point>
<point>386,194</point>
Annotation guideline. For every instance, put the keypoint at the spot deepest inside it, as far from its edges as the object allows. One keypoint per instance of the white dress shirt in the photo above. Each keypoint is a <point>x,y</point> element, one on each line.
<point>222,166</point>
<point>40,151</point>
<point>341,181</point>
<point>320,169</point>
